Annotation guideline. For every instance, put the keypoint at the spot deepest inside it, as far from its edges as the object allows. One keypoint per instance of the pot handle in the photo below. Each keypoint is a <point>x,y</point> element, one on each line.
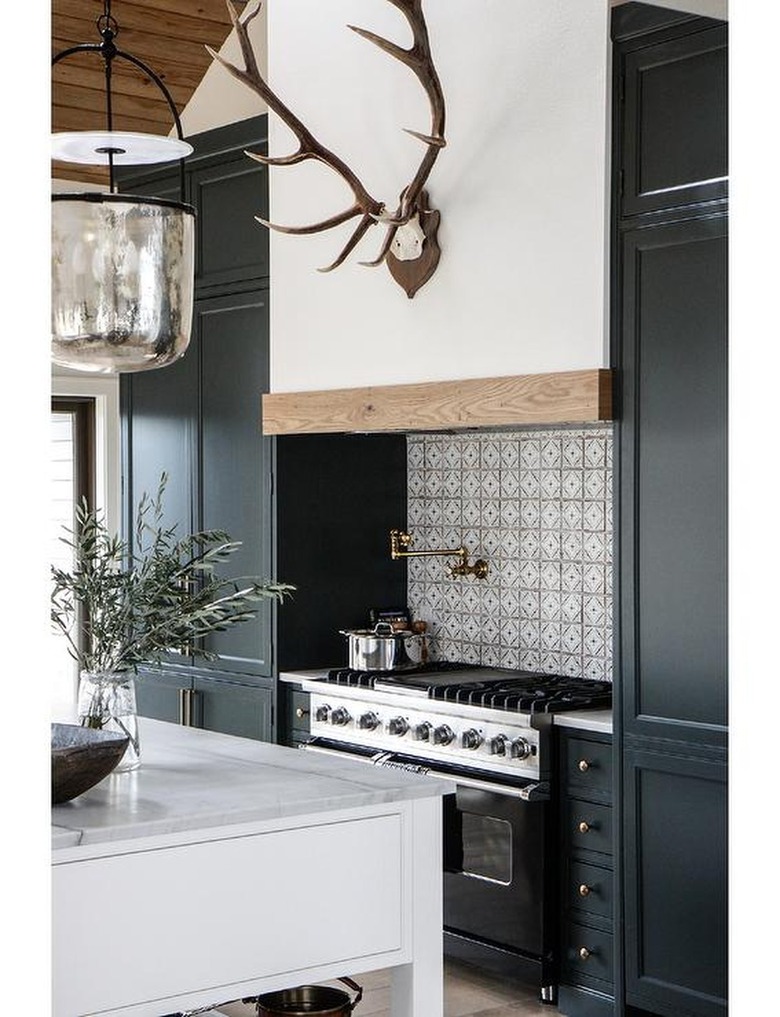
<point>383,628</point>
<point>355,988</point>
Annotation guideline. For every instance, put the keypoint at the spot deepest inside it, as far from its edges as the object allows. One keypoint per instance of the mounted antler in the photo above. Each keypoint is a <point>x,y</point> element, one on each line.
<point>410,247</point>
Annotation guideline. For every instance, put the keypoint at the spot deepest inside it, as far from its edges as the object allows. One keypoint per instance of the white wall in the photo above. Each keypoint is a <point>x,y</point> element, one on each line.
<point>219,99</point>
<point>521,187</point>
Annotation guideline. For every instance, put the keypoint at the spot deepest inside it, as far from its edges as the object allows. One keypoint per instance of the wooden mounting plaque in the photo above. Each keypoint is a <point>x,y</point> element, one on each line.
<point>556,398</point>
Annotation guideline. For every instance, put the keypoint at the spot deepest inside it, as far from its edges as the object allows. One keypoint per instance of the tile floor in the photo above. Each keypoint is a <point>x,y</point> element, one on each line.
<point>468,992</point>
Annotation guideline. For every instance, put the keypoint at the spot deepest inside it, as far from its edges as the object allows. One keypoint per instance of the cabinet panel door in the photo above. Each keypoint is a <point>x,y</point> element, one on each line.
<point>159,419</point>
<point>675,837</point>
<point>232,245</point>
<point>673,443</point>
<point>676,146</point>
<point>236,459</point>
<point>159,695</point>
<point>230,708</point>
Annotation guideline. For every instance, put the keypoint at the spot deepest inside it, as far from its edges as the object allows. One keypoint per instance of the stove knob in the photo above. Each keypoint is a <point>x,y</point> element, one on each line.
<point>520,749</point>
<point>498,745</point>
<point>443,735</point>
<point>471,739</point>
<point>368,722</point>
<point>340,717</point>
<point>322,713</point>
<point>422,732</point>
<point>398,726</point>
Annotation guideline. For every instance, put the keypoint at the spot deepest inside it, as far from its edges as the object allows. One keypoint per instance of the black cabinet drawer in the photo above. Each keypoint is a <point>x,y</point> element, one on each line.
<point>587,765</point>
<point>587,955</point>
<point>588,826</point>
<point>589,888</point>
<point>298,706</point>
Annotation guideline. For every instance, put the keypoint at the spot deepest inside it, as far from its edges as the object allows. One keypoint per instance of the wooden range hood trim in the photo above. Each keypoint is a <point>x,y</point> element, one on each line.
<point>563,397</point>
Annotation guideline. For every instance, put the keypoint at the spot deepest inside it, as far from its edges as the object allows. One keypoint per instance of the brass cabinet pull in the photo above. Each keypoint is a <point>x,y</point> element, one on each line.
<point>583,827</point>
<point>583,890</point>
<point>583,766</point>
<point>187,708</point>
<point>584,952</point>
<point>300,713</point>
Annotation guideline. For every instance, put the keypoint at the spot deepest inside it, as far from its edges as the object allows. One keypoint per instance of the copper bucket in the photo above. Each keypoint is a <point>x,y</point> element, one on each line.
<point>309,1001</point>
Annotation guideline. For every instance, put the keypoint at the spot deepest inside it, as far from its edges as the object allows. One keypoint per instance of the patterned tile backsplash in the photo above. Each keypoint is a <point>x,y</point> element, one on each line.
<point>537,504</point>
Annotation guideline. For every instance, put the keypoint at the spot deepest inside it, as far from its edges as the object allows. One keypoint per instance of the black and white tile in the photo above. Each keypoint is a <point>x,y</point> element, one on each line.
<point>537,505</point>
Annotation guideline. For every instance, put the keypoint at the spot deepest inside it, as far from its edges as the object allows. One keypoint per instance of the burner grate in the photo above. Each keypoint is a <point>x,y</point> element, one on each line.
<point>529,693</point>
<point>365,679</point>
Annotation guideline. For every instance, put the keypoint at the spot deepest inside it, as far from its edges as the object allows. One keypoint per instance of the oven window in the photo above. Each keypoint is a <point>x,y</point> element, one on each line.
<point>487,848</point>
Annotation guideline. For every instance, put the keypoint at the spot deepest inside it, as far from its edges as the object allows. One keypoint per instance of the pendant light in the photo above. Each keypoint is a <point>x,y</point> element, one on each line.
<point>122,265</point>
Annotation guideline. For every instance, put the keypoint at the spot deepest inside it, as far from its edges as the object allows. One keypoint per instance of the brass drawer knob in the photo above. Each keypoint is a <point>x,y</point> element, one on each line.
<point>583,889</point>
<point>584,952</point>
<point>583,827</point>
<point>300,713</point>
<point>583,766</point>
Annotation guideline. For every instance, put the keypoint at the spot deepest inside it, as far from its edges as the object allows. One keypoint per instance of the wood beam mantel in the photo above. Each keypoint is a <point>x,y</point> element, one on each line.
<point>561,397</point>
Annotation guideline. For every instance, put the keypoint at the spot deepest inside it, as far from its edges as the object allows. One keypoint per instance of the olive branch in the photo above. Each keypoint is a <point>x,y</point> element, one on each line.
<point>119,608</point>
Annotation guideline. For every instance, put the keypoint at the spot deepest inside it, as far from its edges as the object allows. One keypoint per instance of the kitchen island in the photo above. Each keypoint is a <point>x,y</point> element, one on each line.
<point>223,868</point>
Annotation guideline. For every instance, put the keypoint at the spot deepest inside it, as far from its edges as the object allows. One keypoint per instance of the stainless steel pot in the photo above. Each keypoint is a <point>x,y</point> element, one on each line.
<point>379,649</point>
<point>309,1000</point>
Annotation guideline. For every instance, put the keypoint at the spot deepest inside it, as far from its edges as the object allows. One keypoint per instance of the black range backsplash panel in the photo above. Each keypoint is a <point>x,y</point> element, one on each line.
<point>537,504</point>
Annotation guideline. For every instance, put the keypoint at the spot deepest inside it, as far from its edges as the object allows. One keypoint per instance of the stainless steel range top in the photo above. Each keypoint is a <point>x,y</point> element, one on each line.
<point>487,719</point>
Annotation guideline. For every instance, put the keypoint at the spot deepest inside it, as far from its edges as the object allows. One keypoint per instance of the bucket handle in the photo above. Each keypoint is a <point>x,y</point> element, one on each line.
<point>355,988</point>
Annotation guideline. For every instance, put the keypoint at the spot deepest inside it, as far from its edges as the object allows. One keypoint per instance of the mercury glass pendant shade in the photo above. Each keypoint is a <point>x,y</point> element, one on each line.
<point>122,281</point>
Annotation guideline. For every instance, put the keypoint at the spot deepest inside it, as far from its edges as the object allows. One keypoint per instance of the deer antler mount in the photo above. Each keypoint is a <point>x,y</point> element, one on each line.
<point>409,247</point>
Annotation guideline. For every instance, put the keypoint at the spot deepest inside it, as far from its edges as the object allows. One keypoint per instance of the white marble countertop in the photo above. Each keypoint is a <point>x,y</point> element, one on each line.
<point>586,720</point>
<point>191,779</point>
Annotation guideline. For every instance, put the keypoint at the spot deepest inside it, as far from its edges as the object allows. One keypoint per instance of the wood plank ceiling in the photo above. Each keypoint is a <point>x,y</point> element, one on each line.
<point>169,36</point>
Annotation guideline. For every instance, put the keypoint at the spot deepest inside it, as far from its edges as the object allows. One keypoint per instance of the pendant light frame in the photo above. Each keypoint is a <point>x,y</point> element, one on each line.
<point>123,347</point>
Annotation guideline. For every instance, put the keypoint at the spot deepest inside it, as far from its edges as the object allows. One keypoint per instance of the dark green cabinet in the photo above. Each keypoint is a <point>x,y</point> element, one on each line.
<point>235,458</point>
<point>674,93</point>
<point>163,438</point>
<point>675,874</point>
<point>163,693</point>
<point>233,708</point>
<point>670,354</point>
<point>199,420</point>
<point>211,701</point>
<point>586,815</point>
<point>229,190</point>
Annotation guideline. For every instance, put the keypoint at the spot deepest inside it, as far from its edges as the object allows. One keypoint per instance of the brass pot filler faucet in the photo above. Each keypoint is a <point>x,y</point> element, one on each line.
<point>400,540</point>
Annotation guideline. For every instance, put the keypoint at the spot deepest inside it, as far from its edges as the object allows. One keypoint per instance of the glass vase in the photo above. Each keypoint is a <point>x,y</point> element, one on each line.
<point>107,702</point>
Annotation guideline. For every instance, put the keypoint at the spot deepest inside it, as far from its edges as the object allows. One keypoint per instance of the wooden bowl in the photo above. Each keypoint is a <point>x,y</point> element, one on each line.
<point>80,758</point>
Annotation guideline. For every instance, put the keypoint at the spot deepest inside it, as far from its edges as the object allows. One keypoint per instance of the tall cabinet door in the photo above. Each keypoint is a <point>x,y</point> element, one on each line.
<point>160,435</point>
<point>674,495</point>
<point>673,616</point>
<point>670,319</point>
<point>235,482</point>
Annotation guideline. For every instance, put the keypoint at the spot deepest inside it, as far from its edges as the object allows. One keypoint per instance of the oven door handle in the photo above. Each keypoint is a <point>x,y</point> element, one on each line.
<point>530,792</point>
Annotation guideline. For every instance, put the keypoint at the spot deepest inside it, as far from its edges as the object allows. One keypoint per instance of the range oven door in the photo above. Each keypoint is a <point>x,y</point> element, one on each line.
<point>497,882</point>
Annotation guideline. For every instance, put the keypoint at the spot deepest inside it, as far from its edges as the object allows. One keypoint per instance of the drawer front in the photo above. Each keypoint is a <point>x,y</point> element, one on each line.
<point>587,954</point>
<point>588,826</point>
<point>590,889</point>
<point>588,764</point>
<point>299,712</point>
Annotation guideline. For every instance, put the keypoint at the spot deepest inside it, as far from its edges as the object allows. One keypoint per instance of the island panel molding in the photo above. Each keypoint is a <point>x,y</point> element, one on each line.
<point>555,398</point>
